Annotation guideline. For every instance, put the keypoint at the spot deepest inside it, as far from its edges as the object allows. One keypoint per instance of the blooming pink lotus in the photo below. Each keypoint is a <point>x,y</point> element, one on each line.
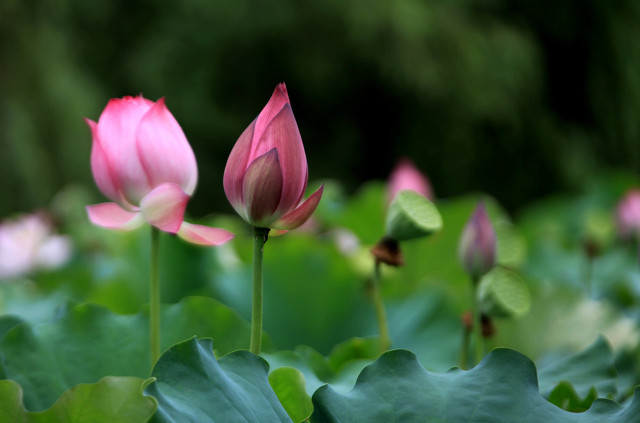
<point>266,173</point>
<point>628,214</point>
<point>477,249</point>
<point>405,176</point>
<point>142,161</point>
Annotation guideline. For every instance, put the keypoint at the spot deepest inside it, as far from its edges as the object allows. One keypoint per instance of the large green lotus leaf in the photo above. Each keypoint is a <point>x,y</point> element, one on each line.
<point>306,279</point>
<point>111,268</point>
<point>112,399</point>
<point>424,323</point>
<point>427,324</point>
<point>589,370</point>
<point>90,342</point>
<point>192,386</point>
<point>556,229</point>
<point>340,368</point>
<point>305,275</point>
<point>502,388</point>
<point>26,300</point>
<point>556,313</point>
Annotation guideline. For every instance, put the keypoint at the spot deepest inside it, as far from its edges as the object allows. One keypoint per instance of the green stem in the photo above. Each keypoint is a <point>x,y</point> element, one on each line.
<point>464,351</point>
<point>154,297</point>
<point>477,322</point>
<point>260,236</point>
<point>381,315</point>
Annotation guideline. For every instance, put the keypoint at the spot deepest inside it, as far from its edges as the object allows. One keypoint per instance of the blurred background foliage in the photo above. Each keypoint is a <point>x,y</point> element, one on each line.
<point>518,99</point>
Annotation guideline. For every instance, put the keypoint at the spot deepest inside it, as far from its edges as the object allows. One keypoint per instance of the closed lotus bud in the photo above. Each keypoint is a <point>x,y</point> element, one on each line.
<point>405,176</point>
<point>628,215</point>
<point>477,248</point>
<point>142,161</point>
<point>266,174</point>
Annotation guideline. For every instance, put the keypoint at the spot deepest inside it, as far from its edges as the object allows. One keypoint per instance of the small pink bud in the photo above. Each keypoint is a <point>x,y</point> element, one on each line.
<point>142,161</point>
<point>405,176</point>
<point>266,174</point>
<point>628,214</point>
<point>477,248</point>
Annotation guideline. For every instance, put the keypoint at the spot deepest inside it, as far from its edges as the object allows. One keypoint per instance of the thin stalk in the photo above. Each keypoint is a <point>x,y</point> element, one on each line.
<point>466,341</point>
<point>381,315</point>
<point>477,322</point>
<point>154,297</point>
<point>260,236</point>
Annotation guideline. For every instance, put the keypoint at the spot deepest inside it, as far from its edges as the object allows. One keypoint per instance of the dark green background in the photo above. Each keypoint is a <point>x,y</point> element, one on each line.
<point>517,99</point>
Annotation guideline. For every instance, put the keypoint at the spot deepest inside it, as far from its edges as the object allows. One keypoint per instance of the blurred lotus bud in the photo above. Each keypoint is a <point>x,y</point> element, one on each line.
<point>28,244</point>
<point>628,215</point>
<point>477,248</point>
<point>405,176</point>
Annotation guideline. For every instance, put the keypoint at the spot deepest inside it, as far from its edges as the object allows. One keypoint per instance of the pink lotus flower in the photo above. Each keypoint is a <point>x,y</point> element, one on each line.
<point>142,161</point>
<point>266,173</point>
<point>477,248</point>
<point>27,243</point>
<point>405,176</point>
<point>628,214</point>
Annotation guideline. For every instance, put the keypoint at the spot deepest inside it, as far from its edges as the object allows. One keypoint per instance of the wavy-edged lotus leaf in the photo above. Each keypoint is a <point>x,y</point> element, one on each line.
<point>90,342</point>
<point>340,368</point>
<point>502,388</point>
<point>192,386</point>
<point>411,216</point>
<point>590,373</point>
<point>112,399</point>
<point>25,300</point>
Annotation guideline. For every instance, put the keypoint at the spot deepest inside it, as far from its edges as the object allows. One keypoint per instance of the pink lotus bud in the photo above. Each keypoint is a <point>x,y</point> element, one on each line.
<point>405,176</point>
<point>477,248</point>
<point>628,215</point>
<point>142,161</point>
<point>266,173</point>
<point>28,243</point>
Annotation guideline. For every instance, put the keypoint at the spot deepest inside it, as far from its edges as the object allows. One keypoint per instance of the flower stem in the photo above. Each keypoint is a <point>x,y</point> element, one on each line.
<point>467,327</point>
<point>260,236</point>
<point>154,297</point>
<point>381,315</point>
<point>477,322</point>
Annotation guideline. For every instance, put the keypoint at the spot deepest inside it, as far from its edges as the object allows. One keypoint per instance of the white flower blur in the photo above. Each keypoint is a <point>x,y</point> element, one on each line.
<point>28,244</point>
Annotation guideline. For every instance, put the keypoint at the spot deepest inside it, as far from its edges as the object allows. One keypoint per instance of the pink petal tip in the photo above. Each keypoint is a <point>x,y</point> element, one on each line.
<point>300,215</point>
<point>112,216</point>
<point>203,235</point>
